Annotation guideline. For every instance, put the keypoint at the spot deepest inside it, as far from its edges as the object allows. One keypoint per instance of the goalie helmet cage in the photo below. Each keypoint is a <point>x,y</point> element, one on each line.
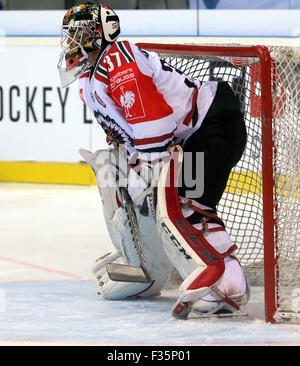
<point>260,205</point>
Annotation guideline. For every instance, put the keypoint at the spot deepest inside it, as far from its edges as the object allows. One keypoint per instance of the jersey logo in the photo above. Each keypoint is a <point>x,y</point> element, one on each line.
<point>137,95</point>
<point>115,133</point>
<point>127,100</point>
<point>128,96</point>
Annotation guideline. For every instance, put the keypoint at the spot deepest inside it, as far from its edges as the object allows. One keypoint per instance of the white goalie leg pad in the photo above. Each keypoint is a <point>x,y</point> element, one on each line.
<point>188,252</point>
<point>106,165</point>
<point>198,255</point>
<point>158,263</point>
<point>228,296</point>
<point>233,284</point>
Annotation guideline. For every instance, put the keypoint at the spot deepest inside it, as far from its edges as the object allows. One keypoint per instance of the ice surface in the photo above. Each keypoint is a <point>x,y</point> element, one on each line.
<point>50,235</point>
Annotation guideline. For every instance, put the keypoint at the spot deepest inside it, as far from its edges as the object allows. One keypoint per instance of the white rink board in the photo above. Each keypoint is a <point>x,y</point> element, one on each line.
<point>171,22</point>
<point>41,122</point>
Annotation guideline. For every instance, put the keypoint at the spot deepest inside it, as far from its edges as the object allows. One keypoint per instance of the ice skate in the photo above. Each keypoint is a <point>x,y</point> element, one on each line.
<point>216,302</point>
<point>211,309</point>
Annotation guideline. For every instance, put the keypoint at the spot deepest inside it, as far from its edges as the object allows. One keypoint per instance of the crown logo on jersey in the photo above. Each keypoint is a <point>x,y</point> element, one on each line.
<point>127,100</point>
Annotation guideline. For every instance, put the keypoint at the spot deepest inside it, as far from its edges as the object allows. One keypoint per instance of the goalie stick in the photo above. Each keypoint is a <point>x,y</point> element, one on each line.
<point>125,272</point>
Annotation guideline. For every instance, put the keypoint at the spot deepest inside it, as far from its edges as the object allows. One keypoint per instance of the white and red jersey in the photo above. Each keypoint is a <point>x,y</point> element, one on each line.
<point>141,101</point>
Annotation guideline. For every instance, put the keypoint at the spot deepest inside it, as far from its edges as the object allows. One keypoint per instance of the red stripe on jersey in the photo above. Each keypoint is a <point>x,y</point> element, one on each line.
<point>189,116</point>
<point>152,140</point>
<point>126,44</point>
<point>101,78</point>
<point>85,75</point>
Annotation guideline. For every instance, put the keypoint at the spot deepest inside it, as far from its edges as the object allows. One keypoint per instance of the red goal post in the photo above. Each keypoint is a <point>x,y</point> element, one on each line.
<point>257,78</point>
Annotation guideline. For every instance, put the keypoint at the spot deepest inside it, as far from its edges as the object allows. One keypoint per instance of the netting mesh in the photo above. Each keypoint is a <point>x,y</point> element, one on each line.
<point>241,206</point>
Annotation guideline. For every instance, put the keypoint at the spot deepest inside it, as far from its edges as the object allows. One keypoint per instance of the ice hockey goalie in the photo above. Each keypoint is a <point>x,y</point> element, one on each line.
<point>172,143</point>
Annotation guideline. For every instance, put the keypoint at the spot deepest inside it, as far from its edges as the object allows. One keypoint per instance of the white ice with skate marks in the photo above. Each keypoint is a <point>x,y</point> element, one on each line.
<point>50,235</point>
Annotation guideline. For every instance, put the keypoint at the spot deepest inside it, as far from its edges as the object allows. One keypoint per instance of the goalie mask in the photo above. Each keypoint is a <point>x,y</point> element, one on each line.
<point>86,28</point>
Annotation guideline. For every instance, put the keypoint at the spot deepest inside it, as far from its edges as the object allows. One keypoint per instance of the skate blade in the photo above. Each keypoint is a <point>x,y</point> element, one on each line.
<point>223,313</point>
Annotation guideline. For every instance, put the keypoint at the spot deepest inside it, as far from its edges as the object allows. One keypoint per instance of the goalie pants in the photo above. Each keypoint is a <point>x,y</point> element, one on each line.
<point>222,138</point>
